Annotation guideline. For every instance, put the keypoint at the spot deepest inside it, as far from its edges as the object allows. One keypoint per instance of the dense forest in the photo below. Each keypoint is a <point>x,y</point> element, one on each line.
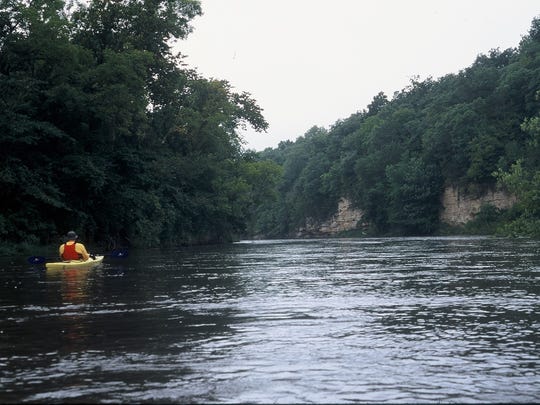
<point>476,130</point>
<point>104,130</point>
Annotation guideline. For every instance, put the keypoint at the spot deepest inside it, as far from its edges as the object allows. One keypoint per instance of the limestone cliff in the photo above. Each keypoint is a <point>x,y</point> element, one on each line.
<point>346,218</point>
<point>459,208</point>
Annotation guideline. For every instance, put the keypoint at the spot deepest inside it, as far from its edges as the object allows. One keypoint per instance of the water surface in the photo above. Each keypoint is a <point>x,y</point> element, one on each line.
<point>329,320</point>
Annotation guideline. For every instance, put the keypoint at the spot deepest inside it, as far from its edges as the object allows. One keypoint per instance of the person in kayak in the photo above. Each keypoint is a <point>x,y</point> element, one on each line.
<point>72,250</point>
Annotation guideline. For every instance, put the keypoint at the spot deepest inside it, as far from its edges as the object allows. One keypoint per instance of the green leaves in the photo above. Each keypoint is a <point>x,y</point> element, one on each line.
<point>134,24</point>
<point>102,130</point>
<point>395,158</point>
<point>523,181</point>
<point>118,95</point>
<point>414,189</point>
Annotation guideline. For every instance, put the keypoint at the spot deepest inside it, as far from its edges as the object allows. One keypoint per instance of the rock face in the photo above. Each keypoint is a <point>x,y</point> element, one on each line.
<point>346,218</point>
<point>459,208</point>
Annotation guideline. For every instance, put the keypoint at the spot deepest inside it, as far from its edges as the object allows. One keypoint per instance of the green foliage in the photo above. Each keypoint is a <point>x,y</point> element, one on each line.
<point>394,159</point>
<point>523,180</point>
<point>414,189</point>
<point>488,221</point>
<point>525,184</point>
<point>309,187</point>
<point>103,130</point>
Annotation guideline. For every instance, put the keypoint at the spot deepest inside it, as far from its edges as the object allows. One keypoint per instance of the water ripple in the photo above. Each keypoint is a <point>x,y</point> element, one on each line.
<point>341,320</point>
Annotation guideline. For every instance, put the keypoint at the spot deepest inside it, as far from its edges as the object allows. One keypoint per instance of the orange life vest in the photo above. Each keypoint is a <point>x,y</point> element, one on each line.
<point>70,253</point>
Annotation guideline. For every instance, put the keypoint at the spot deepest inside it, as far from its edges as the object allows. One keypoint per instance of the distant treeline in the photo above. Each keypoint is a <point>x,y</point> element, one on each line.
<point>105,131</point>
<point>477,129</point>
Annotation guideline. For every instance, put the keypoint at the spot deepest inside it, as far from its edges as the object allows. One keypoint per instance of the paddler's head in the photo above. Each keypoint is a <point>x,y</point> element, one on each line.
<point>71,235</point>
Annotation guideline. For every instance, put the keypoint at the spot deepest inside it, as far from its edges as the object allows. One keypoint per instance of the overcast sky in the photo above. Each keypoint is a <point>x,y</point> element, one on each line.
<point>312,62</point>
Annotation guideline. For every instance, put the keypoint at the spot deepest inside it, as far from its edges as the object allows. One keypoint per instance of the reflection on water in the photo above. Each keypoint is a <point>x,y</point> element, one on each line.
<point>330,320</point>
<point>68,300</point>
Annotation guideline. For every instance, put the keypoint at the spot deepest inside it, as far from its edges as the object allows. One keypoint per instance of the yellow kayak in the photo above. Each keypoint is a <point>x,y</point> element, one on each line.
<point>75,263</point>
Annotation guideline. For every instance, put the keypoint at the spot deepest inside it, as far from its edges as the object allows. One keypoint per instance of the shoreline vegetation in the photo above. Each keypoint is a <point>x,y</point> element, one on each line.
<point>27,249</point>
<point>105,131</point>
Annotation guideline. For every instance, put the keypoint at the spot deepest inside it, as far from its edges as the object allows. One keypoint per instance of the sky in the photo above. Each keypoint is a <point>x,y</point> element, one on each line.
<point>313,62</point>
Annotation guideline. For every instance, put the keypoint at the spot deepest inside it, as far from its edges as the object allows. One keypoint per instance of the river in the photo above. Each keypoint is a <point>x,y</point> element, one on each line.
<point>450,319</point>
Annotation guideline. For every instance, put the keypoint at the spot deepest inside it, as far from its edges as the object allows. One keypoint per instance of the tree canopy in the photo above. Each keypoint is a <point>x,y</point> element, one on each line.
<point>103,130</point>
<point>477,130</point>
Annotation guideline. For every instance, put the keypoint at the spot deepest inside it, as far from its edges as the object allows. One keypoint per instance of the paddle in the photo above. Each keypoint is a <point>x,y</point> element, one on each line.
<point>121,253</point>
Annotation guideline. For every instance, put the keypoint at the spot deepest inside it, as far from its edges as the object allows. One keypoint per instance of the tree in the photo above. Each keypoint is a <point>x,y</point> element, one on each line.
<point>523,180</point>
<point>414,191</point>
<point>103,130</point>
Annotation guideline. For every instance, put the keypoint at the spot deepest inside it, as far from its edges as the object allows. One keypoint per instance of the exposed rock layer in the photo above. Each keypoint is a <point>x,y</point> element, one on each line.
<point>346,218</point>
<point>458,208</point>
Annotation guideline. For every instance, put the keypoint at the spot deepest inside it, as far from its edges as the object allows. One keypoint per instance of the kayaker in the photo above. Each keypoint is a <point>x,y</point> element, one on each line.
<point>72,250</point>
